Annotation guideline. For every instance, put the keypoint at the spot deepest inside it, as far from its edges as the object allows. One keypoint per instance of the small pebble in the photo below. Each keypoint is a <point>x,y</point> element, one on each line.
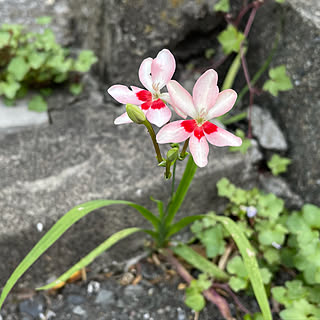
<point>93,287</point>
<point>104,297</point>
<point>75,299</point>
<point>79,311</point>
<point>39,226</point>
<point>32,307</point>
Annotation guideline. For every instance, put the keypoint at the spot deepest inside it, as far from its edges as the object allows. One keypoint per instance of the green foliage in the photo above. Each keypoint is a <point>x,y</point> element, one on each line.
<point>76,88</point>
<point>194,298</point>
<point>199,262</point>
<point>279,81</point>
<point>209,53</point>
<point>246,143</point>
<point>222,5</point>
<point>44,20</point>
<point>278,164</point>
<point>38,104</point>
<point>35,61</point>
<point>279,238</point>
<point>210,235</point>
<point>231,39</point>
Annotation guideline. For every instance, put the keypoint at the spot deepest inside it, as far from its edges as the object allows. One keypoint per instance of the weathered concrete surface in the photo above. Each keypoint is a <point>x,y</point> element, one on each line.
<point>18,117</point>
<point>83,156</point>
<point>25,12</point>
<point>296,111</point>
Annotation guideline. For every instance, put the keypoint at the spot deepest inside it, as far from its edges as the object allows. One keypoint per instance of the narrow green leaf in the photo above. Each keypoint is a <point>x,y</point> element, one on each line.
<point>199,262</point>
<point>182,190</point>
<point>250,262</point>
<point>61,226</point>
<point>183,223</point>
<point>92,255</point>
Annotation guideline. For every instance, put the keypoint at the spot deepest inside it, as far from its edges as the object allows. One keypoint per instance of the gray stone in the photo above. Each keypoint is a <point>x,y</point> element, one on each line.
<point>18,117</point>
<point>134,291</point>
<point>78,310</point>
<point>32,307</point>
<point>75,299</point>
<point>26,12</point>
<point>280,188</point>
<point>122,33</point>
<point>297,110</point>
<point>266,130</point>
<point>105,297</point>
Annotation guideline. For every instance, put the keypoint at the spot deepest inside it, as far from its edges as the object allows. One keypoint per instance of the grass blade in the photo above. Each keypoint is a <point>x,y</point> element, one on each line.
<point>92,255</point>
<point>183,223</point>
<point>250,262</point>
<point>199,262</point>
<point>62,225</point>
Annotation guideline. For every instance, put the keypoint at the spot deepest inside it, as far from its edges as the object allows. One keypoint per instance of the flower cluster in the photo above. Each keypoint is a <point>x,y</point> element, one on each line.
<point>205,104</point>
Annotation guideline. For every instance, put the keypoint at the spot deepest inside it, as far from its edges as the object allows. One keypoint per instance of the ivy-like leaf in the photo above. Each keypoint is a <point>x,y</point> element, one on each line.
<point>279,81</point>
<point>18,67</point>
<point>36,59</point>
<point>9,88</point>
<point>223,6</point>
<point>278,164</point>
<point>231,39</point>
<point>76,88</point>
<point>4,39</point>
<point>85,60</point>
<point>38,104</point>
<point>311,215</point>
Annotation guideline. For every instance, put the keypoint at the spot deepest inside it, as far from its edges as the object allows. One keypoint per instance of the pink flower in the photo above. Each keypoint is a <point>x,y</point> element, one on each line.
<point>154,74</point>
<point>207,103</point>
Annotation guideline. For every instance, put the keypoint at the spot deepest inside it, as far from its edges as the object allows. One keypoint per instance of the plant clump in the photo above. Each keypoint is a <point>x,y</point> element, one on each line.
<point>34,60</point>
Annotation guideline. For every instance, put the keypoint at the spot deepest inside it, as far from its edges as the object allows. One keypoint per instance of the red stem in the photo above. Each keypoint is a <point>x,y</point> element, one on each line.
<point>211,295</point>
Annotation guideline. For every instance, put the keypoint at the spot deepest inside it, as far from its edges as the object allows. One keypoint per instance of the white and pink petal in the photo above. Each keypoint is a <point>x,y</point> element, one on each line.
<point>145,74</point>
<point>174,132</point>
<point>162,69</point>
<point>223,104</point>
<point>181,100</point>
<point>221,138</point>
<point>199,149</point>
<point>158,113</point>
<point>124,118</point>
<point>205,92</point>
<point>123,94</point>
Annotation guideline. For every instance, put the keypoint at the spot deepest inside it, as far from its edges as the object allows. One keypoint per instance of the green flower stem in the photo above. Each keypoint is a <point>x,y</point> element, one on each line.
<point>154,140</point>
<point>184,149</point>
<point>233,71</point>
<point>235,118</point>
<point>173,178</point>
<point>168,166</point>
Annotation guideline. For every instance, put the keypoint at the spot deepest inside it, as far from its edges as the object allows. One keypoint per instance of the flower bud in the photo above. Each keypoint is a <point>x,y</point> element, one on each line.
<point>173,154</point>
<point>135,114</point>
